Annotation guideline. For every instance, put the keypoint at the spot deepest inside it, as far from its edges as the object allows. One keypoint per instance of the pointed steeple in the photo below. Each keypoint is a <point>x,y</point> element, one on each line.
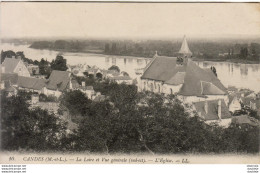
<point>185,48</point>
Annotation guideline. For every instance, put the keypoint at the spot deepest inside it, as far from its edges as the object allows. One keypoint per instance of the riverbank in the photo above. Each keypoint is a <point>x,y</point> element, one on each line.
<point>237,61</point>
<point>100,52</point>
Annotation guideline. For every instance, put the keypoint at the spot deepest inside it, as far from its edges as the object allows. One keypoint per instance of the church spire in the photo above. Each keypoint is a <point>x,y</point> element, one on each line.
<point>185,48</point>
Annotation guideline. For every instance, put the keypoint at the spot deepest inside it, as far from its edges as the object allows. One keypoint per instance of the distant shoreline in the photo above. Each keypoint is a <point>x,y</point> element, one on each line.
<point>237,61</point>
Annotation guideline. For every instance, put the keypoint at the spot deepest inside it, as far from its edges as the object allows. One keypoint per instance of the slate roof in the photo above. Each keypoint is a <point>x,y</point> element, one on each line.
<point>10,64</point>
<point>12,77</point>
<point>165,69</point>
<point>209,88</point>
<point>31,83</point>
<point>58,80</point>
<point>184,47</point>
<point>176,79</point>
<point>212,110</point>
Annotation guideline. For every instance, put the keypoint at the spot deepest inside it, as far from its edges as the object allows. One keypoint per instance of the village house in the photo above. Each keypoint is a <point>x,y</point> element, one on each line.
<point>51,107</point>
<point>31,84</point>
<point>77,70</point>
<point>95,71</point>
<point>58,82</point>
<point>213,111</point>
<point>243,98</point>
<point>13,65</point>
<point>33,69</point>
<point>181,76</point>
<point>121,79</point>
<point>234,102</point>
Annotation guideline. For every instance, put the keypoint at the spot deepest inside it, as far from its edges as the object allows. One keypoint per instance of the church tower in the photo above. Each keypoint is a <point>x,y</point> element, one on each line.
<point>185,51</point>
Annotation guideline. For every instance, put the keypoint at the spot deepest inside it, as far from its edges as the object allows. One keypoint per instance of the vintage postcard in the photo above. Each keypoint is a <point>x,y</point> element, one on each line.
<point>130,83</point>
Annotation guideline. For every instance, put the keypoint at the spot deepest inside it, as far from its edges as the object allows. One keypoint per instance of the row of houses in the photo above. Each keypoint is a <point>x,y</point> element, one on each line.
<point>55,85</point>
<point>95,72</point>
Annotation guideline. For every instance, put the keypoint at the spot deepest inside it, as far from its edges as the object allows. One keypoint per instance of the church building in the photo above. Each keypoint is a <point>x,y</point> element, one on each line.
<point>182,77</point>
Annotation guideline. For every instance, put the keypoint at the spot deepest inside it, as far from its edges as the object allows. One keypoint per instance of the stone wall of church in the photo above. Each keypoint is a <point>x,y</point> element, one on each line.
<point>171,89</point>
<point>190,99</point>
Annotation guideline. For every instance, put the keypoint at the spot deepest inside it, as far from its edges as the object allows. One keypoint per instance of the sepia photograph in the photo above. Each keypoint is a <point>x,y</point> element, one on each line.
<point>129,83</point>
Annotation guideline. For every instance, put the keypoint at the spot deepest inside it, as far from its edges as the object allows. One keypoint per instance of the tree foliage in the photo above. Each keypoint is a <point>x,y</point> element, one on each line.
<point>114,67</point>
<point>59,64</point>
<point>28,129</point>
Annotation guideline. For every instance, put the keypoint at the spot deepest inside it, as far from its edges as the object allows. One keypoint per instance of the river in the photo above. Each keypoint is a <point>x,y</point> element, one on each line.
<point>234,74</point>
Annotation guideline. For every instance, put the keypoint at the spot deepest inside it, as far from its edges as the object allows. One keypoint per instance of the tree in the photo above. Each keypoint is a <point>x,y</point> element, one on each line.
<point>114,67</point>
<point>76,102</point>
<point>7,54</point>
<point>59,63</point>
<point>243,52</point>
<point>44,68</point>
<point>27,129</point>
<point>113,48</point>
<point>107,49</point>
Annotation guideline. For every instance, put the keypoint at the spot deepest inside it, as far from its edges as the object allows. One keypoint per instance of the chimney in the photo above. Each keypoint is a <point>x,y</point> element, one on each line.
<point>219,109</point>
<point>70,85</point>
<point>83,83</point>
<point>206,107</point>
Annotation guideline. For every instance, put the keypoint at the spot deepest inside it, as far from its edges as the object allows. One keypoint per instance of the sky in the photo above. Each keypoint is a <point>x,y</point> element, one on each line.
<point>128,20</point>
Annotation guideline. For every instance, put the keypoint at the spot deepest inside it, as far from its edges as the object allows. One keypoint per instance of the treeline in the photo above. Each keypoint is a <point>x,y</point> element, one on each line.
<point>147,48</point>
<point>19,54</point>
<point>237,51</point>
<point>71,46</point>
<point>126,122</point>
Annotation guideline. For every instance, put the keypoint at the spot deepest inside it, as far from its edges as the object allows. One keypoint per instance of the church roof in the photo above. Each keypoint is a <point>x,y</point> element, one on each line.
<point>184,47</point>
<point>196,81</point>
<point>176,79</point>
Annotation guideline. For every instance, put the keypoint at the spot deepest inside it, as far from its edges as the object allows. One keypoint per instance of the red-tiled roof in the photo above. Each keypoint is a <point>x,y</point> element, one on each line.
<point>58,80</point>
<point>212,109</point>
<point>165,69</point>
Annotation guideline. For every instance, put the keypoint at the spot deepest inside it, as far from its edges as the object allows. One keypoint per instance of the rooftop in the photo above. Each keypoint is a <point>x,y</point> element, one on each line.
<point>212,112</point>
<point>196,81</point>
